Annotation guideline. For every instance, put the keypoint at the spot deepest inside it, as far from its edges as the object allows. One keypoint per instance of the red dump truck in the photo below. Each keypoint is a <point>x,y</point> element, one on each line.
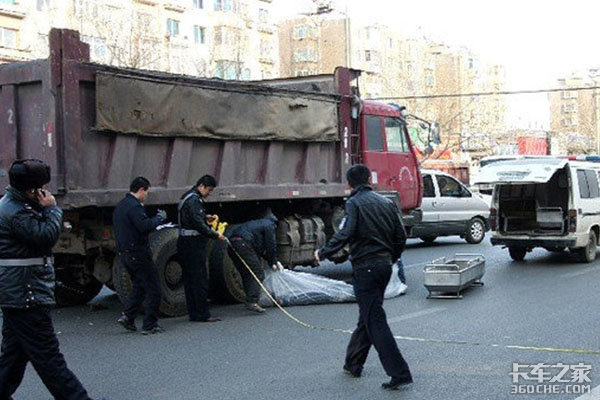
<point>282,145</point>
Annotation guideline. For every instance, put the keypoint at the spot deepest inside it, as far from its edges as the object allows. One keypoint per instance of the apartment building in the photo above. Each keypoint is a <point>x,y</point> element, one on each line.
<point>575,114</point>
<point>230,39</point>
<point>394,65</point>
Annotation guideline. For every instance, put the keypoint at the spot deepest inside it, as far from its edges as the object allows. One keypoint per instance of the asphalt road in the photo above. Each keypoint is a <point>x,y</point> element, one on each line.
<point>549,300</point>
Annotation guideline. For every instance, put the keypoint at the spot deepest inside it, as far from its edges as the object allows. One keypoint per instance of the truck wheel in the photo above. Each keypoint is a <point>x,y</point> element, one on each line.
<point>475,231</point>
<point>225,280</point>
<point>74,286</point>
<point>588,253</point>
<point>164,254</point>
<point>517,253</point>
<point>428,239</point>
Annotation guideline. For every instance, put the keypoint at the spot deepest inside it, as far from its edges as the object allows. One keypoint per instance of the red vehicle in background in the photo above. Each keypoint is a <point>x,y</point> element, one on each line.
<point>282,145</point>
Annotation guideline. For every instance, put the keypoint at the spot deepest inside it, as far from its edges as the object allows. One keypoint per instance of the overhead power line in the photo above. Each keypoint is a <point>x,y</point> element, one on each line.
<point>505,92</point>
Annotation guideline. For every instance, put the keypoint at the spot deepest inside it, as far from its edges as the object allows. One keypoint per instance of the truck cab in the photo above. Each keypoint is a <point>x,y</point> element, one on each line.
<point>386,148</point>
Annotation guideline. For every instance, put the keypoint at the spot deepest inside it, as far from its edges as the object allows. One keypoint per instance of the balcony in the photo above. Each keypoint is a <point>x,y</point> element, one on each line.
<point>8,54</point>
<point>12,10</point>
<point>174,5</point>
<point>147,2</point>
<point>266,28</point>
<point>266,60</point>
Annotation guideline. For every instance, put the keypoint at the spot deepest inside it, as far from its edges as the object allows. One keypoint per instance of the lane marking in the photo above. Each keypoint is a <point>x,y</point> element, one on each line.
<point>416,314</point>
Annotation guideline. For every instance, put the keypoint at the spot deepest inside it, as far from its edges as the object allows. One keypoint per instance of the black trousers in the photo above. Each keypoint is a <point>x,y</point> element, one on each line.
<point>191,252</point>
<point>28,336</point>
<point>251,287</point>
<point>146,286</point>
<point>373,329</point>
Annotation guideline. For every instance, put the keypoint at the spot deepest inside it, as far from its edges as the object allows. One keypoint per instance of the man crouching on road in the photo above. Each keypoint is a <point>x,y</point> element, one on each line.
<point>252,241</point>
<point>30,224</point>
<point>374,230</point>
<point>132,227</point>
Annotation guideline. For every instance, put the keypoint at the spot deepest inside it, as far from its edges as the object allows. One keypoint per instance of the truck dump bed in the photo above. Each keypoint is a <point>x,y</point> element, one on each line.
<point>99,127</point>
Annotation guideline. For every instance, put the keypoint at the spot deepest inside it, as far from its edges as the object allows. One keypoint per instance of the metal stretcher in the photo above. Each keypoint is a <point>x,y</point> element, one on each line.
<point>448,278</point>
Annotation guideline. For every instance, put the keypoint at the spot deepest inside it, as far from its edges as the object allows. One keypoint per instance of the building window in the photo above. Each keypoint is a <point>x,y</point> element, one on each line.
<point>303,55</point>
<point>42,5</point>
<point>173,27</point>
<point>263,15</point>
<point>227,5</point>
<point>8,1</point>
<point>300,32</point>
<point>8,37</point>
<point>98,47</point>
<point>198,4</point>
<point>570,94</point>
<point>390,43</point>
<point>569,108</point>
<point>429,78</point>
<point>199,34</point>
<point>367,55</point>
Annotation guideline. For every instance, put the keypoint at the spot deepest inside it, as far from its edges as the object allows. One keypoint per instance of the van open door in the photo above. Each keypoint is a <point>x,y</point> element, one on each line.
<point>539,170</point>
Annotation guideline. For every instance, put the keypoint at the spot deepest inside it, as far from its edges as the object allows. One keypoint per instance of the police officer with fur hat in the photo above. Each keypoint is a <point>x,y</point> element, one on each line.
<point>30,223</point>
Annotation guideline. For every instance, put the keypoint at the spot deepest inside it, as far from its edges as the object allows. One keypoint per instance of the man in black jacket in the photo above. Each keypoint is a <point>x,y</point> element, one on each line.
<point>194,233</point>
<point>30,224</point>
<point>252,241</point>
<point>376,235</point>
<point>132,227</point>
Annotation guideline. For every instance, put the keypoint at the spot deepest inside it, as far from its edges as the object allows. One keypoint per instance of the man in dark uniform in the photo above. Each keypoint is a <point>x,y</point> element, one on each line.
<point>252,241</point>
<point>194,233</point>
<point>132,227</point>
<point>376,235</point>
<point>30,224</point>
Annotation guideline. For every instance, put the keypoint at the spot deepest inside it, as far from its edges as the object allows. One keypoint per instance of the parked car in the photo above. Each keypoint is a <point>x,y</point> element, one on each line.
<point>449,209</point>
<point>547,202</point>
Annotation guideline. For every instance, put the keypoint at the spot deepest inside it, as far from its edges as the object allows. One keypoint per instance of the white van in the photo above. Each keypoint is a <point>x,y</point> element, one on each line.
<point>546,202</point>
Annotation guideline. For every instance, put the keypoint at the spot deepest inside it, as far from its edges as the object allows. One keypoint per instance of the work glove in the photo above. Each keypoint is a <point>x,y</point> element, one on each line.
<point>162,214</point>
<point>317,259</point>
<point>277,267</point>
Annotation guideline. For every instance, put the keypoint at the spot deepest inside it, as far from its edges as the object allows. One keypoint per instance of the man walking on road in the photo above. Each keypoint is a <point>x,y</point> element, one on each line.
<point>194,233</point>
<point>252,241</point>
<point>374,230</point>
<point>30,224</point>
<point>132,227</point>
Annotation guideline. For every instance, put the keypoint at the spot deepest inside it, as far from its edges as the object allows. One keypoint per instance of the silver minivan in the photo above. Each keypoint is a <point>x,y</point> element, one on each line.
<point>449,209</point>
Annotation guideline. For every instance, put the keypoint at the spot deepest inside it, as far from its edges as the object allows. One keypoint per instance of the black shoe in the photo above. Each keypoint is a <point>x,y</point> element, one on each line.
<point>126,323</point>
<point>351,373</point>
<point>395,383</point>
<point>152,331</point>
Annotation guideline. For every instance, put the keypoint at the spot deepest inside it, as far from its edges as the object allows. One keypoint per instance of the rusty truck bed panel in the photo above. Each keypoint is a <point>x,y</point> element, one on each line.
<point>48,112</point>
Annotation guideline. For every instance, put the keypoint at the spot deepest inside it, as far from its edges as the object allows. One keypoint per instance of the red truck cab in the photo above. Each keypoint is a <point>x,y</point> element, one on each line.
<point>387,150</point>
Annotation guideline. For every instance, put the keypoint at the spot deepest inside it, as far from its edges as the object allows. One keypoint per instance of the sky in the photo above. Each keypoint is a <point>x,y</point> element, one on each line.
<point>537,41</point>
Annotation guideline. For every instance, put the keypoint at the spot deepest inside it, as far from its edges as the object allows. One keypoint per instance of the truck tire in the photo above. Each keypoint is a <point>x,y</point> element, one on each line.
<point>164,254</point>
<point>225,280</point>
<point>588,253</point>
<point>517,253</point>
<point>475,231</point>
<point>428,239</point>
<point>74,286</point>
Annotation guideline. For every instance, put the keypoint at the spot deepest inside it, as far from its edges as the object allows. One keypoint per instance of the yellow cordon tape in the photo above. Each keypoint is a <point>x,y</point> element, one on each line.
<point>409,338</point>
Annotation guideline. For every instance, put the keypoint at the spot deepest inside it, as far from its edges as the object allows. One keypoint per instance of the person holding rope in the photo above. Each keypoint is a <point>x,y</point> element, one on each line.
<point>250,242</point>
<point>374,230</point>
<point>194,233</point>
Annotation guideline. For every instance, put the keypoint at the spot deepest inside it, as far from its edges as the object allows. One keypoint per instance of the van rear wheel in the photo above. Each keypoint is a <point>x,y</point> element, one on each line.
<point>517,253</point>
<point>588,253</point>
<point>475,231</point>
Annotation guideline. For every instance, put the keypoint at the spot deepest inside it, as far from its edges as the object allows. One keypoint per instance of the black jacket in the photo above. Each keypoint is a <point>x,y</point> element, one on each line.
<point>132,224</point>
<point>372,226</point>
<point>27,231</point>
<point>192,215</point>
<point>260,234</point>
